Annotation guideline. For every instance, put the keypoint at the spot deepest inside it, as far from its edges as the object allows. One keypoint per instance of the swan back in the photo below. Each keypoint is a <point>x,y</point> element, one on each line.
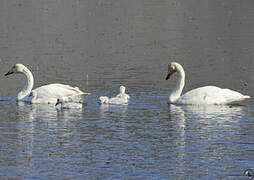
<point>51,92</point>
<point>211,95</point>
<point>117,100</point>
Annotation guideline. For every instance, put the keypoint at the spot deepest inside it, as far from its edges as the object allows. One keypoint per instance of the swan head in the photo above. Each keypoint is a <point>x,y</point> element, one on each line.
<point>172,68</point>
<point>59,101</point>
<point>122,89</point>
<point>17,68</point>
<point>62,100</point>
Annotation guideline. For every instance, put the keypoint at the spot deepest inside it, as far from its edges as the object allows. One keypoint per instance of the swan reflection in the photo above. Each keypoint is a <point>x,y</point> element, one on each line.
<point>204,133</point>
<point>42,127</point>
<point>112,110</point>
<point>222,112</point>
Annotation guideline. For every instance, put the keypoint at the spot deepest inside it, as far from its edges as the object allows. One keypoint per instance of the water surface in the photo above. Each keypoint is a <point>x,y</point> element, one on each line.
<point>98,46</point>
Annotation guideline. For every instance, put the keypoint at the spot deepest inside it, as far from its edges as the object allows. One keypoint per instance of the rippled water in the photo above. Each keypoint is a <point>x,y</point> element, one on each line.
<point>148,139</point>
<point>99,45</point>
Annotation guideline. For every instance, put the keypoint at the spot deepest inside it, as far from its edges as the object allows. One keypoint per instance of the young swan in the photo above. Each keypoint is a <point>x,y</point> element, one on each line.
<point>202,95</point>
<point>121,98</point>
<point>44,94</point>
<point>64,103</point>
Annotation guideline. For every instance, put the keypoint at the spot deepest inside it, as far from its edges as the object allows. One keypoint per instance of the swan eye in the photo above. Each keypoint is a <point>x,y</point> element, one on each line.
<point>14,68</point>
<point>172,69</point>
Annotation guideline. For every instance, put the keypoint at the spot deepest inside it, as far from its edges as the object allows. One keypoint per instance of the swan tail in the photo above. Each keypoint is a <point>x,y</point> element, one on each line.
<point>243,98</point>
<point>83,94</point>
<point>246,97</point>
<point>78,90</point>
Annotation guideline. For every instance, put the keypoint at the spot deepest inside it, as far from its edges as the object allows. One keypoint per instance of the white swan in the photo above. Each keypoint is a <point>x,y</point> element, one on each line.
<point>202,95</point>
<point>121,98</point>
<point>44,94</point>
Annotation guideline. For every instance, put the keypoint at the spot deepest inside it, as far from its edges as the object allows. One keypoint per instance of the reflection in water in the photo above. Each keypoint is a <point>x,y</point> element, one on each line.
<point>177,115</point>
<point>206,133</point>
<point>107,109</point>
<point>143,139</point>
<point>35,111</point>
<point>31,117</point>
<point>43,133</point>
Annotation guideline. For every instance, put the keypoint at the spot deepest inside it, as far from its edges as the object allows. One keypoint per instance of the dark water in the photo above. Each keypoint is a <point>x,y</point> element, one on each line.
<point>98,45</point>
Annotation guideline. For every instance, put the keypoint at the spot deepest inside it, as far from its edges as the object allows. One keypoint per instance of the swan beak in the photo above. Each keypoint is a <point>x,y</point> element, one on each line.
<point>9,72</point>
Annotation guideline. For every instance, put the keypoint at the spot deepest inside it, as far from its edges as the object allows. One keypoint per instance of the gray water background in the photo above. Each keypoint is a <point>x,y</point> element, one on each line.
<point>99,45</point>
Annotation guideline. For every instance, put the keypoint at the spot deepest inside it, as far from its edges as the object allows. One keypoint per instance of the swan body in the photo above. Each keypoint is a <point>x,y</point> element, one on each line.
<point>121,98</point>
<point>203,95</point>
<point>45,94</point>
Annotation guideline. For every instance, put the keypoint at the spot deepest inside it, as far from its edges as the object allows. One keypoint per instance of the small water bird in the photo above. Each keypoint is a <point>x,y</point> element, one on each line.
<point>45,94</point>
<point>62,104</point>
<point>203,95</point>
<point>121,98</point>
<point>249,173</point>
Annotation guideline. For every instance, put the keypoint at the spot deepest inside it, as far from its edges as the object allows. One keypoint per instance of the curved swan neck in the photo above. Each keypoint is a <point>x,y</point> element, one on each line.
<point>176,93</point>
<point>28,86</point>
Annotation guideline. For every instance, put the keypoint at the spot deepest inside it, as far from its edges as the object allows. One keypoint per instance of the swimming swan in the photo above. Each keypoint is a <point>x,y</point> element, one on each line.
<point>121,98</point>
<point>44,94</point>
<point>202,95</point>
<point>62,104</point>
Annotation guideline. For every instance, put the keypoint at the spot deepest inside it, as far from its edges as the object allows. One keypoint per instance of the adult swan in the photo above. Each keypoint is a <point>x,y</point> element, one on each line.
<point>44,94</point>
<point>203,95</point>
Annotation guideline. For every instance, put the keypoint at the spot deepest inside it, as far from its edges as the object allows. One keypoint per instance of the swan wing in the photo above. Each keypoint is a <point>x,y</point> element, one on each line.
<point>51,92</point>
<point>123,96</point>
<point>211,95</point>
<point>117,100</point>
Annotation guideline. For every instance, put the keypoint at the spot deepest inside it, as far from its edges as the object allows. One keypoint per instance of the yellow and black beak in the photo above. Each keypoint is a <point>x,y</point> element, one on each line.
<point>170,72</point>
<point>11,71</point>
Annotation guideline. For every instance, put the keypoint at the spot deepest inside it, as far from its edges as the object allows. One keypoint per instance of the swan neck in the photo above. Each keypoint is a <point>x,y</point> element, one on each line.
<point>28,86</point>
<point>176,93</point>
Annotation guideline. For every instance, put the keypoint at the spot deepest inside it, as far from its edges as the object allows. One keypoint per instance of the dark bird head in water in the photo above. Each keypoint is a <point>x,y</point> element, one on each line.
<point>249,173</point>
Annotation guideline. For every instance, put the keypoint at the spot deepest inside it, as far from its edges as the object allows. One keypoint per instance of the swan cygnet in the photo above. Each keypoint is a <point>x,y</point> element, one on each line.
<point>46,94</point>
<point>202,95</point>
<point>63,103</point>
<point>121,98</point>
